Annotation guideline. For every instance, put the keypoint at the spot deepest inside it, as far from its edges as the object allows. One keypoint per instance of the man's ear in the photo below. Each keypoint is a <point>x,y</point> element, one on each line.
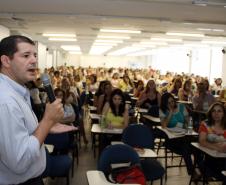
<point>5,61</point>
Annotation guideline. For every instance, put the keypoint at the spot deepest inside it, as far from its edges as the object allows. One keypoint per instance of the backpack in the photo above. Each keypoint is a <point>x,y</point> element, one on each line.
<point>128,175</point>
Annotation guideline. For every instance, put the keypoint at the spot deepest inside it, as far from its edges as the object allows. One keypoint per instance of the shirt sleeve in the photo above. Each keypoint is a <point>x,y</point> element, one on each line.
<point>19,149</point>
<point>203,128</point>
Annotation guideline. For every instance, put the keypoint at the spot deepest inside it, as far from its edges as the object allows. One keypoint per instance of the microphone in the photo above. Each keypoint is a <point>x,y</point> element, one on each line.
<point>48,87</point>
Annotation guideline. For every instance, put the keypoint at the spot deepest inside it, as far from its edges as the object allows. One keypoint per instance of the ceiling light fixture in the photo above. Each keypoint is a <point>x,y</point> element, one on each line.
<point>214,42</point>
<point>185,34</point>
<point>144,45</point>
<point>200,2</point>
<point>166,39</point>
<point>204,29</point>
<point>153,43</point>
<point>218,30</point>
<point>120,31</point>
<point>58,35</point>
<point>209,29</point>
<point>112,37</point>
<point>62,39</point>
<point>109,41</point>
<point>104,44</point>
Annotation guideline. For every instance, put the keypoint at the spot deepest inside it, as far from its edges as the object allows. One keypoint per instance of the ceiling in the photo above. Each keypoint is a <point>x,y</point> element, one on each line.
<point>86,17</point>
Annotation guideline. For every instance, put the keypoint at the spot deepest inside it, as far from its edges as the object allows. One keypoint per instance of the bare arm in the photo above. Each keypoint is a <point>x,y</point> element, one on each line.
<point>220,146</point>
<point>180,94</point>
<point>126,116</point>
<point>141,99</point>
<point>100,104</point>
<point>166,120</point>
<point>105,109</point>
<point>159,98</point>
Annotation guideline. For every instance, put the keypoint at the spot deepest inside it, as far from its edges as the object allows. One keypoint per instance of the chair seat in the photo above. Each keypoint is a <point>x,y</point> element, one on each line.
<point>58,166</point>
<point>152,169</point>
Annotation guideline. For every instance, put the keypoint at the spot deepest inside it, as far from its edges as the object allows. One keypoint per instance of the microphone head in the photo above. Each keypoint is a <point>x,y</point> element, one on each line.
<point>45,79</point>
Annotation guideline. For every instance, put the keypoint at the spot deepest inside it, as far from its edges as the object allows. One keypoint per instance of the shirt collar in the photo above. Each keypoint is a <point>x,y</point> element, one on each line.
<point>22,90</point>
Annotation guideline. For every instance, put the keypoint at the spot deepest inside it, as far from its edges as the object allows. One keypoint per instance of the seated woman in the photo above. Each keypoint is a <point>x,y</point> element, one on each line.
<point>98,93</point>
<point>212,134</point>
<point>71,112</point>
<point>138,89</point>
<point>105,97</point>
<point>115,114</point>
<point>116,111</point>
<point>185,93</point>
<point>125,84</point>
<point>172,115</point>
<point>150,96</point>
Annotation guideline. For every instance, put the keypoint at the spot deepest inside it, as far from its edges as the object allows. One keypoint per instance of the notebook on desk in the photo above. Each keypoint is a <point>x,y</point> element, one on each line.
<point>177,130</point>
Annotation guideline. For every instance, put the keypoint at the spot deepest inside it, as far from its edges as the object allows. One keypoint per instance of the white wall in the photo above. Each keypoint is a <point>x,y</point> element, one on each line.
<point>42,56</point>
<point>106,61</point>
<point>203,61</point>
<point>170,59</point>
<point>49,59</point>
<point>224,69</point>
<point>61,58</point>
<point>4,32</point>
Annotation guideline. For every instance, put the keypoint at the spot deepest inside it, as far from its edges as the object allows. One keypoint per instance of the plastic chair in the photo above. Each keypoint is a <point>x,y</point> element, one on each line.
<point>57,166</point>
<point>137,135</point>
<point>118,153</point>
<point>63,144</point>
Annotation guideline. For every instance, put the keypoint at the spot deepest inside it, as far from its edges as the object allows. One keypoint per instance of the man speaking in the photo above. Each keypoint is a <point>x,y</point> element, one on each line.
<point>22,154</point>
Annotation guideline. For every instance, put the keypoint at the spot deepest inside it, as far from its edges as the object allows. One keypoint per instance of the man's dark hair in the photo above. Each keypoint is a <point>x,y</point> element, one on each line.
<point>8,45</point>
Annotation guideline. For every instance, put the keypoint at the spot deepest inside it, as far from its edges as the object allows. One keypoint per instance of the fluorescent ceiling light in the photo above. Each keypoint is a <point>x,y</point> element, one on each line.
<point>104,44</point>
<point>109,41</point>
<point>144,45</point>
<point>126,50</point>
<point>153,43</point>
<point>166,39</point>
<point>218,30</point>
<point>120,31</point>
<point>196,45</point>
<point>70,47</point>
<point>214,42</point>
<point>99,50</point>
<point>204,29</point>
<point>62,39</point>
<point>112,37</point>
<point>58,35</point>
<point>75,52</point>
<point>201,4</point>
<point>185,34</point>
<point>209,29</point>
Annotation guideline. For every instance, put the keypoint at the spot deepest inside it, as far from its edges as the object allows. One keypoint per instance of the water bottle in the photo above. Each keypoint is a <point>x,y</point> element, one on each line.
<point>103,121</point>
<point>190,126</point>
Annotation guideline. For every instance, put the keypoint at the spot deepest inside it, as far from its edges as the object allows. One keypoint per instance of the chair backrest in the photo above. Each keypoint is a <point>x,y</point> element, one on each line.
<point>137,135</point>
<point>113,154</point>
<point>60,141</point>
<point>154,111</point>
